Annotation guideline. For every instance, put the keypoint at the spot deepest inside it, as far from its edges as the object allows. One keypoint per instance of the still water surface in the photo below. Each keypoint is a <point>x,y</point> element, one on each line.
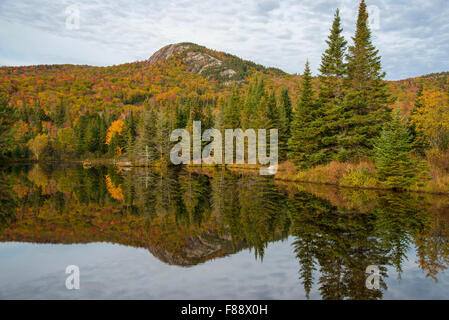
<point>213,234</point>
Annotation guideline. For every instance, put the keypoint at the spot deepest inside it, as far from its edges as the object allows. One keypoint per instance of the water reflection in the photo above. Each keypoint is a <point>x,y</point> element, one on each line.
<point>185,218</point>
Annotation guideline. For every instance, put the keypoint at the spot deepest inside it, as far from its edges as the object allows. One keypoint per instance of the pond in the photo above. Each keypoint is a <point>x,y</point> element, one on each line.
<point>212,233</point>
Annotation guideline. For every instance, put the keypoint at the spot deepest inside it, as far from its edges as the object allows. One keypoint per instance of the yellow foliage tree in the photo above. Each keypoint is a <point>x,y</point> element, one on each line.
<point>116,192</point>
<point>432,118</point>
<point>38,144</point>
<point>115,128</point>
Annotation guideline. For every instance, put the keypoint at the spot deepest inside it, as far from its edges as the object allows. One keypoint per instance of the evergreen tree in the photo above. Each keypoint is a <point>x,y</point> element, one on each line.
<point>181,117</point>
<point>102,135</point>
<point>285,105</point>
<point>333,68</point>
<point>331,94</point>
<point>285,119</point>
<point>303,141</point>
<point>145,149</point>
<point>256,113</point>
<point>262,112</point>
<point>163,128</point>
<point>130,125</point>
<point>396,169</point>
<point>208,119</point>
<point>59,114</point>
<point>272,111</point>
<point>366,105</point>
<point>7,119</point>
<point>420,141</point>
<point>80,133</point>
<point>231,111</point>
<point>219,116</point>
<point>38,116</point>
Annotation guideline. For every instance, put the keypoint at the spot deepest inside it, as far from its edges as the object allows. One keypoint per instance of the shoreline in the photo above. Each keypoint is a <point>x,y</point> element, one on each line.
<point>234,168</point>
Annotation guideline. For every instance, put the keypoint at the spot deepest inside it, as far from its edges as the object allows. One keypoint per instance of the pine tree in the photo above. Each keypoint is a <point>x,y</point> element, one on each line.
<point>285,119</point>
<point>333,68</point>
<point>102,136</point>
<point>396,169</point>
<point>272,110</point>
<point>256,110</point>
<point>59,115</point>
<point>93,134</point>
<point>7,119</point>
<point>231,111</point>
<point>366,105</point>
<point>181,117</point>
<point>219,116</point>
<point>332,74</point>
<point>81,133</point>
<point>145,148</point>
<point>163,128</point>
<point>303,141</point>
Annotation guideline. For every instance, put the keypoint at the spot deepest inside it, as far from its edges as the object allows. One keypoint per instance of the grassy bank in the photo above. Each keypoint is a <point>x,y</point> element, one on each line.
<point>362,175</point>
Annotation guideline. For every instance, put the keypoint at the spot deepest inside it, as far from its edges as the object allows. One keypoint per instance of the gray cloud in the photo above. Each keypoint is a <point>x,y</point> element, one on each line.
<point>412,35</point>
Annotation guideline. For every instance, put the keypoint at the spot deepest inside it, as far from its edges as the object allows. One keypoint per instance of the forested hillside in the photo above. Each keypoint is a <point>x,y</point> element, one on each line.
<point>346,114</point>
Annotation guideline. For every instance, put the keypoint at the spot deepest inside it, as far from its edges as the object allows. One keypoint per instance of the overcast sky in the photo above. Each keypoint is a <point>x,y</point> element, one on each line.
<point>412,35</point>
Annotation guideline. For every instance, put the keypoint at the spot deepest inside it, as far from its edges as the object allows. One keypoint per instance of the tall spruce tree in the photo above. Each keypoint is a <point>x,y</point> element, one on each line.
<point>331,94</point>
<point>285,119</point>
<point>366,105</point>
<point>303,140</point>
<point>333,68</point>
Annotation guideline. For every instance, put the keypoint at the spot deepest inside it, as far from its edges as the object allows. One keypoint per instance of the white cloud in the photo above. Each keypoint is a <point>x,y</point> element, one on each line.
<point>413,35</point>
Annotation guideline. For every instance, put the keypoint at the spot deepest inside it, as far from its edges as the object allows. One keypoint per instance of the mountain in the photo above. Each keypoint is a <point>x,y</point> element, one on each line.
<point>171,76</point>
<point>211,64</point>
<point>405,90</point>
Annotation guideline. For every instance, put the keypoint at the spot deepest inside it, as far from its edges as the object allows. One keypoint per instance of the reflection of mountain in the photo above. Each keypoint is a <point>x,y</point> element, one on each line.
<point>186,218</point>
<point>194,250</point>
<point>170,216</point>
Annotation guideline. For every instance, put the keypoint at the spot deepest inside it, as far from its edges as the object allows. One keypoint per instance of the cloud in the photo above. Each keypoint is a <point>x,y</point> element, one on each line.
<point>412,35</point>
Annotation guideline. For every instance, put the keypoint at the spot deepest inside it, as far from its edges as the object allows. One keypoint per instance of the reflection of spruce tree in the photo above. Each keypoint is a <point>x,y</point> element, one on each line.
<point>89,185</point>
<point>196,192</point>
<point>344,244</point>
<point>305,244</point>
<point>225,203</point>
<point>260,212</point>
<point>59,202</point>
<point>398,215</point>
<point>145,189</point>
<point>179,205</point>
<point>129,192</point>
<point>8,203</point>
<point>36,200</point>
<point>165,193</point>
